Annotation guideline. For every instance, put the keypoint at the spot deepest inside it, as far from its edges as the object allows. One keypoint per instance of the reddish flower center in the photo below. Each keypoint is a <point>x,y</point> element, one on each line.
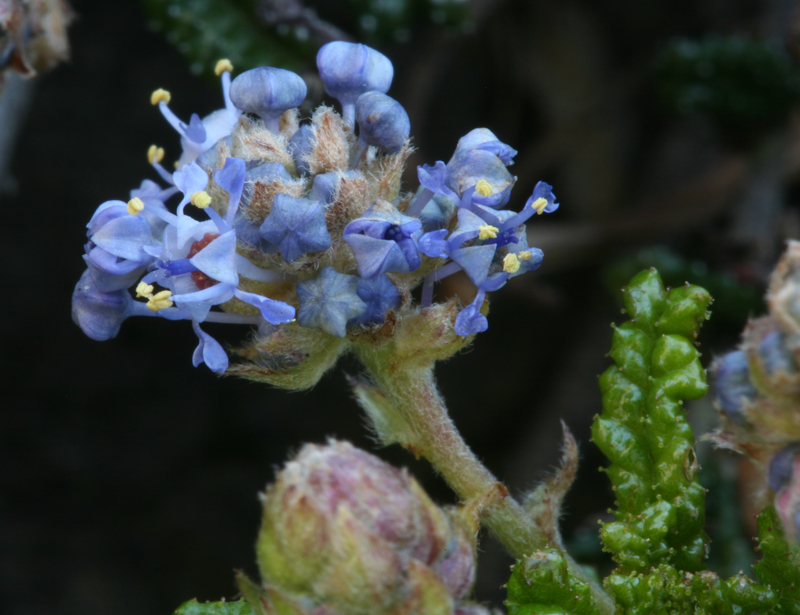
<point>200,278</point>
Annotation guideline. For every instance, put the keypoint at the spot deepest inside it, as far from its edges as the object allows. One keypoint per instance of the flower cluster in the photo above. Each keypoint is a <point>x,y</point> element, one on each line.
<point>303,225</point>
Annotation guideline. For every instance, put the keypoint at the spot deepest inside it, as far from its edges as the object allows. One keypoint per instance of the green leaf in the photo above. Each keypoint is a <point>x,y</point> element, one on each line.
<point>193,607</point>
<point>780,566</point>
<point>644,432</point>
<point>541,584</point>
<point>207,30</point>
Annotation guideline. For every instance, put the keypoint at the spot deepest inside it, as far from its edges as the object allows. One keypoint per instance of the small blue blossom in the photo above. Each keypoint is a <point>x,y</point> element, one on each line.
<point>781,467</point>
<point>470,320</point>
<point>115,253</point>
<point>326,186</point>
<point>485,139</point>
<point>99,314</point>
<point>268,92</point>
<point>734,388</point>
<point>349,69</point>
<point>200,135</point>
<point>382,122</point>
<point>469,166</point>
<point>301,145</point>
<point>247,229</point>
<point>296,226</point>
<point>329,301</point>
<point>380,295</point>
<point>208,351</point>
<point>384,240</point>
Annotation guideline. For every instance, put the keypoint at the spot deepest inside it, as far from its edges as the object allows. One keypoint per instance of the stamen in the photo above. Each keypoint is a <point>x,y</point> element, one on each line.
<point>487,231</point>
<point>155,154</point>
<point>200,199</point>
<point>539,205</point>
<point>144,290</point>
<point>524,256</point>
<point>160,301</point>
<point>511,263</point>
<point>484,188</point>
<point>135,205</point>
<point>160,95</point>
<point>222,66</point>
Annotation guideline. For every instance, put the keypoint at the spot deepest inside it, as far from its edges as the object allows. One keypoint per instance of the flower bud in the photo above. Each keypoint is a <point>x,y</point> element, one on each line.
<point>382,122</point>
<point>734,388</point>
<point>300,146</point>
<point>350,69</point>
<point>344,532</point>
<point>781,467</point>
<point>98,314</point>
<point>268,92</point>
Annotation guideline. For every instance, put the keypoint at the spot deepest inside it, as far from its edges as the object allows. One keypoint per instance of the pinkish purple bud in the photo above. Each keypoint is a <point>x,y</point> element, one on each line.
<point>343,532</point>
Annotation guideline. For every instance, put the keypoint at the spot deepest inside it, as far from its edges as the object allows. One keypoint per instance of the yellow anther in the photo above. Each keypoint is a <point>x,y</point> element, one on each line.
<point>539,205</point>
<point>222,66</point>
<point>135,205</point>
<point>144,290</point>
<point>200,199</point>
<point>160,301</point>
<point>511,263</point>
<point>487,231</point>
<point>484,188</point>
<point>524,256</point>
<point>159,95</point>
<point>155,154</point>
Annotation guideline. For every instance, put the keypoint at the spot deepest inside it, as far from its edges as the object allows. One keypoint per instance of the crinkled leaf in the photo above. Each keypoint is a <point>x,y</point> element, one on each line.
<point>542,584</point>
<point>780,566</point>
<point>644,432</point>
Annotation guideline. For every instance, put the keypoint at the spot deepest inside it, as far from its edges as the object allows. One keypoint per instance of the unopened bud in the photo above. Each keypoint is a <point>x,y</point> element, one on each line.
<point>345,531</point>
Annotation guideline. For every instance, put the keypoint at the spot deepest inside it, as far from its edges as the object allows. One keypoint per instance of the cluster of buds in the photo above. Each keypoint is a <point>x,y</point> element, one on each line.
<point>344,533</point>
<point>758,392</point>
<point>305,231</point>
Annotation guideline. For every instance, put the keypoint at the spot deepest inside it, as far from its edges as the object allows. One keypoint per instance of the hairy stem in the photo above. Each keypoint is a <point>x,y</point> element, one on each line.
<point>433,435</point>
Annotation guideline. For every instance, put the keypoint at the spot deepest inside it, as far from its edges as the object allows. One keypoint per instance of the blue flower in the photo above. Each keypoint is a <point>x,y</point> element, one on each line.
<point>470,320</point>
<point>115,253</point>
<point>301,145</point>
<point>296,226</point>
<point>208,351</point>
<point>485,139</point>
<point>384,240</point>
<point>200,135</point>
<point>329,301</point>
<point>268,92</point>
<point>380,295</point>
<point>382,122</point>
<point>99,314</point>
<point>734,388</point>
<point>469,166</point>
<point>245,223</point>
<point>350,69</point>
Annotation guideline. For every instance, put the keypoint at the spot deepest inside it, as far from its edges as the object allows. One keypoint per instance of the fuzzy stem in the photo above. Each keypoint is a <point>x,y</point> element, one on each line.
<point>413,393</point>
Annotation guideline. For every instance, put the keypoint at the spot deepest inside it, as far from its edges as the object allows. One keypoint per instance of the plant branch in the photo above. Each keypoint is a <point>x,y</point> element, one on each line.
<point>431,433</point>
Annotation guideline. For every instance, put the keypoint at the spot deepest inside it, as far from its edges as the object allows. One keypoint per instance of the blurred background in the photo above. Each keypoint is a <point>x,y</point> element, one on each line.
<point>669,130</point>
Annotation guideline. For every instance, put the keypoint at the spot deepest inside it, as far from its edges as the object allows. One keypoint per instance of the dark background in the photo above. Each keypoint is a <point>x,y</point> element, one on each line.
<point>128,478</point>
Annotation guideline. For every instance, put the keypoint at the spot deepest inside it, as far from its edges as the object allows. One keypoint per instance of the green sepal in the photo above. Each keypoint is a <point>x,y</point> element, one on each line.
<point>193,607</point>
<point>644,433</point>
<point>542,584</point>
<point>779,568</point>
